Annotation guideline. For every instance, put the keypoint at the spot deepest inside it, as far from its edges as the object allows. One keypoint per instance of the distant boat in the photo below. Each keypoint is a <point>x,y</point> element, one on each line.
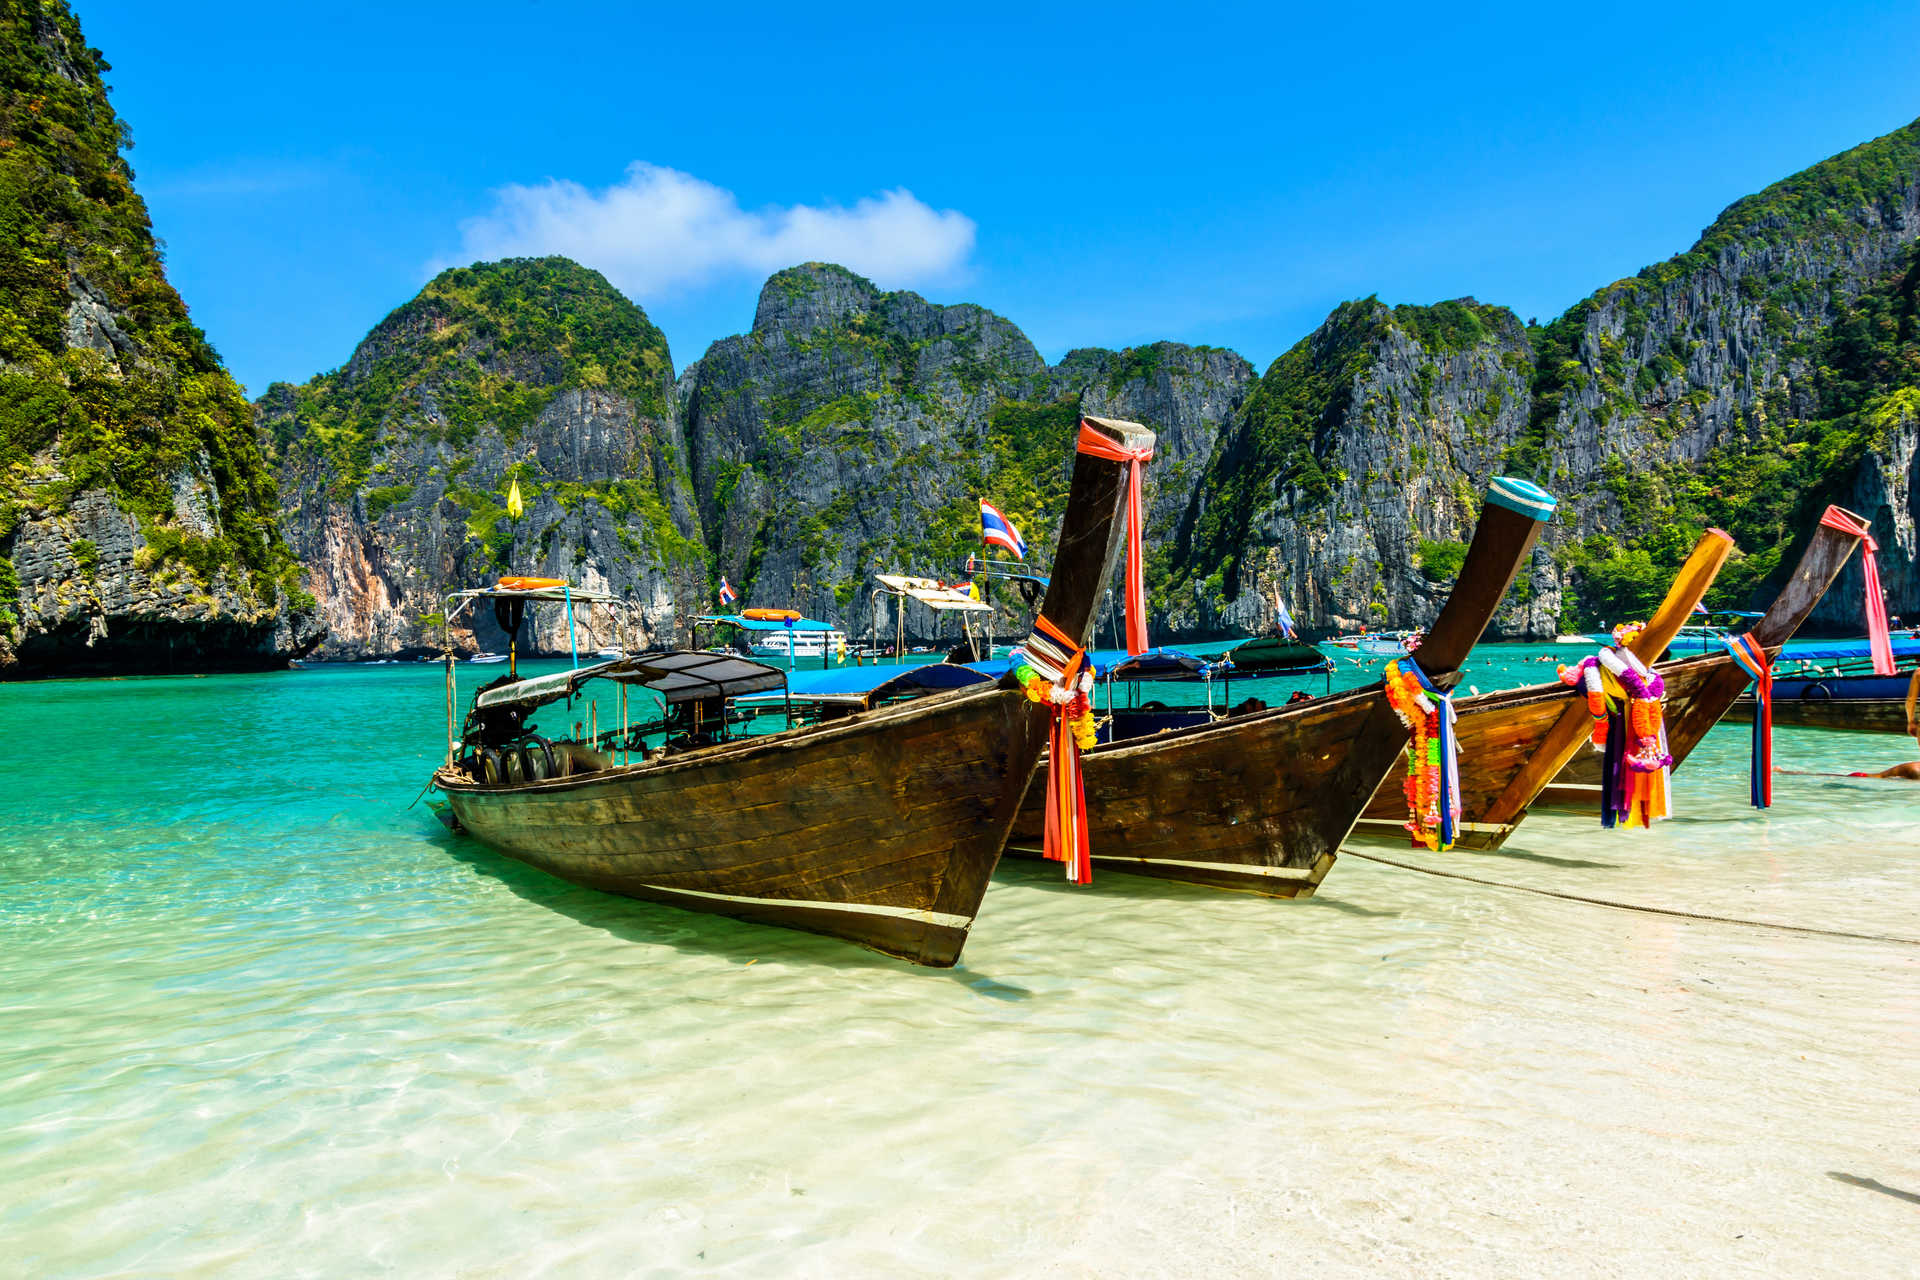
<point>611,651</point>
<point>488,657</point>
<point>1390,644</point>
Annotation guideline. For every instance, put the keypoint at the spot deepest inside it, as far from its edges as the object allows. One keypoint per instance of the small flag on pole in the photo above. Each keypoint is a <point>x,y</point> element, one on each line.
<point>1280,612</point>
<point>727,594</point>
<point>1699,608</point>
<point>998,531</point>
<point>515,507</point>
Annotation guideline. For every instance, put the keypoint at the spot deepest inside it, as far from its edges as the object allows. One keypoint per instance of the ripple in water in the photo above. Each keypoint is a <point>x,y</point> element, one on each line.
<point>258,1017</point>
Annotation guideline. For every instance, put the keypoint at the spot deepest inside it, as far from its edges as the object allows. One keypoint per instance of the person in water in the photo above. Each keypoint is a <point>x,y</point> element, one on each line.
<point>1910,770</point>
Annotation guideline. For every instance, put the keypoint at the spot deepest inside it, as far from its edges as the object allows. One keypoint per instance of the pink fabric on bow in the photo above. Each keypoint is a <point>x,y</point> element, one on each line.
<point>1879,644</point>
<point>1098,445</point>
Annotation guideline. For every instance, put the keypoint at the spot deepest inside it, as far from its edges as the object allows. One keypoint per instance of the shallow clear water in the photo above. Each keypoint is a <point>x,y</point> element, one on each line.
<point>259,1017</point>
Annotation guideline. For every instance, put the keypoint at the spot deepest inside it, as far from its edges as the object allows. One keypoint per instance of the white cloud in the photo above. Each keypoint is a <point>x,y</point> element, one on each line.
<point>660,230</point>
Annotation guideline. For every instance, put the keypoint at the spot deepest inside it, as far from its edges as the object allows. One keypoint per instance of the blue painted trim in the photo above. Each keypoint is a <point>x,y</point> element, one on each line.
<point>1523,496</point>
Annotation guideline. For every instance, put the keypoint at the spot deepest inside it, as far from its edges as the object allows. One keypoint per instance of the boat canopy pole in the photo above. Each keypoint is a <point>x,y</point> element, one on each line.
<point>573,645</point>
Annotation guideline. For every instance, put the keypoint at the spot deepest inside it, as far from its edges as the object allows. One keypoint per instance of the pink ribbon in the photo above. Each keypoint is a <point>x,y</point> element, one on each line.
<point>1878,641</point>
<point>1098,445</point>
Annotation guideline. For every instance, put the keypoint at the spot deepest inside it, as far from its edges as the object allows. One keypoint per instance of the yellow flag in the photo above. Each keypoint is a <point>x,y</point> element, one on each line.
<point>515,507</point>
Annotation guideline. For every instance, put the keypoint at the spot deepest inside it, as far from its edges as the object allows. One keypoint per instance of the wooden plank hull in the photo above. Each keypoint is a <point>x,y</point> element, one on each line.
<point>1513,742</point>
<point>1696,699</point>
<point>1256,803</point>
<point>1499,734</point>
<point>1261,802</point>
<point>882,829</point>
<point>1701,690</point>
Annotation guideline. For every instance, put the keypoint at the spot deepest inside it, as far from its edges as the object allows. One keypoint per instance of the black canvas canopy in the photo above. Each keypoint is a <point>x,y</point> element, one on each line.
<point>677,675</point>
<point>1275,654</point>
<point>1160,664</point>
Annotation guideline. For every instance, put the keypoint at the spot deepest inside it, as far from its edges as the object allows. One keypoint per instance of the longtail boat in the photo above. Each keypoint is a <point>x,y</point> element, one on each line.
<point>1261,801</point>
<point>1700,690</point>
<point>1513,742</point>
<point>881,827</point>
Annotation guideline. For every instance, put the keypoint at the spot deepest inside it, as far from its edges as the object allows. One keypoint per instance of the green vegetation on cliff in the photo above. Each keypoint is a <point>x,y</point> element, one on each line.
<point>1872,177</point>
<point>493,343</point>
<point>104,381</point>
<point>1767,483</point>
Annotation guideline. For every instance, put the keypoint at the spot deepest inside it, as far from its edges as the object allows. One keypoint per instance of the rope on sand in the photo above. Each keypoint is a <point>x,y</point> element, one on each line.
<point>1632,906</point>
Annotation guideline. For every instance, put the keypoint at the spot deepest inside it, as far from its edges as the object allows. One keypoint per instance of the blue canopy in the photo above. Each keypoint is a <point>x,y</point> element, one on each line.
<point>1841,650</point>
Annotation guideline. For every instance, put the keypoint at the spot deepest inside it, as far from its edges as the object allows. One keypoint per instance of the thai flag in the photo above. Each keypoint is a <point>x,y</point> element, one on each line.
<point>727,594</point>
<point>1699,608</point>
<point>1280,612</point>
<point>998,531</point>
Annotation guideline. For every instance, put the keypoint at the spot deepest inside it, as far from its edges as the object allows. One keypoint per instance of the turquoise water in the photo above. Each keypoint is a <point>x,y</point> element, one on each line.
<point>258,1016</point>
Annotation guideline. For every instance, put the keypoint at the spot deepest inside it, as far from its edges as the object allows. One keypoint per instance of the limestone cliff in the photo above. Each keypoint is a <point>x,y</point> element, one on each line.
<point>136,514</point>
<point>1352,480</point>
<point>396,468</point>
<point>1771,369</point>
<point>854,430</point>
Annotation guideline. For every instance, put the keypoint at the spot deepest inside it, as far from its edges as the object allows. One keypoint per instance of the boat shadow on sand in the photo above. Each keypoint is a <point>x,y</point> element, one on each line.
<point>1046,876</point>
<point>1369,842</point>
<point>654,924</point>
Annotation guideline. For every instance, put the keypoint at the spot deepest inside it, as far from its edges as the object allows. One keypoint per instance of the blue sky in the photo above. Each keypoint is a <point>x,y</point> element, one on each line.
<point>1101,175</point>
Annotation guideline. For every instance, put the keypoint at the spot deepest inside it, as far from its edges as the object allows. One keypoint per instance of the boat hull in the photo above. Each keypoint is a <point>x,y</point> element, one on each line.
<point>882,829</point>
<point>1498,734</point>
<point>1699,691</point>
<point>1258,803</point>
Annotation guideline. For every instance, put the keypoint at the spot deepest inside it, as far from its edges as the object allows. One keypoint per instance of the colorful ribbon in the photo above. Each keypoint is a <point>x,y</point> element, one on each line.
<point>1878,641</point>
<point>1433,754</point>
<point>1636,765</point>
<point>1096,444</point>
<point>1053,669</point>
<point>1753,659</point>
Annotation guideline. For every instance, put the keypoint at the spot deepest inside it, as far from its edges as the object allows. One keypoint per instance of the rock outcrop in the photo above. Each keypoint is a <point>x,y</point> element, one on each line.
<point>854,430</point>
<point>1351,482</point>
<point>1771,369</point>
<point>137,526</point>
<point>396,469</point>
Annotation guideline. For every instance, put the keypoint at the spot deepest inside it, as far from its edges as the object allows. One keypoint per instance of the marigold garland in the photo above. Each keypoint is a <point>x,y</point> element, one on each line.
<point>1631,729</point>
<point>1078,703</point>
<point>1427,764</point>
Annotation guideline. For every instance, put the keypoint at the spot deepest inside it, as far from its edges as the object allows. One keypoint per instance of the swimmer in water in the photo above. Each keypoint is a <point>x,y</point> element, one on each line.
<point>1909,771</point>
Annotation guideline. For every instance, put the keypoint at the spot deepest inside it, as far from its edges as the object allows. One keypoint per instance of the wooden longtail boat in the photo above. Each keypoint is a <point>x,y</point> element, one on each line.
<point>1513,742</point>
<point>882,827</point>
<point>1261,801</point>
<point>1701,689</point>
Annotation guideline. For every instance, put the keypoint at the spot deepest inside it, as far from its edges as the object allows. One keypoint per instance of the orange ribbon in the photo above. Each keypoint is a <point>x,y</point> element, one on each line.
<point>1066,837</point>
<point>1096,444</point>
<point>1879,644</point>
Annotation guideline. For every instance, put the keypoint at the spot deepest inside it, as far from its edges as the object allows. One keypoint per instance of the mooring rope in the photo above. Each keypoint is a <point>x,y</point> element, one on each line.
<point>1632,906</point>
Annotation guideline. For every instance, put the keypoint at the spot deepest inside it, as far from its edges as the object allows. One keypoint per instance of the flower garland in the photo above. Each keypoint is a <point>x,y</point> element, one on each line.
<point>1432,786</point>
<point>1585,674</point>
<point>1631,729</point>
<point>1076,702</point>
